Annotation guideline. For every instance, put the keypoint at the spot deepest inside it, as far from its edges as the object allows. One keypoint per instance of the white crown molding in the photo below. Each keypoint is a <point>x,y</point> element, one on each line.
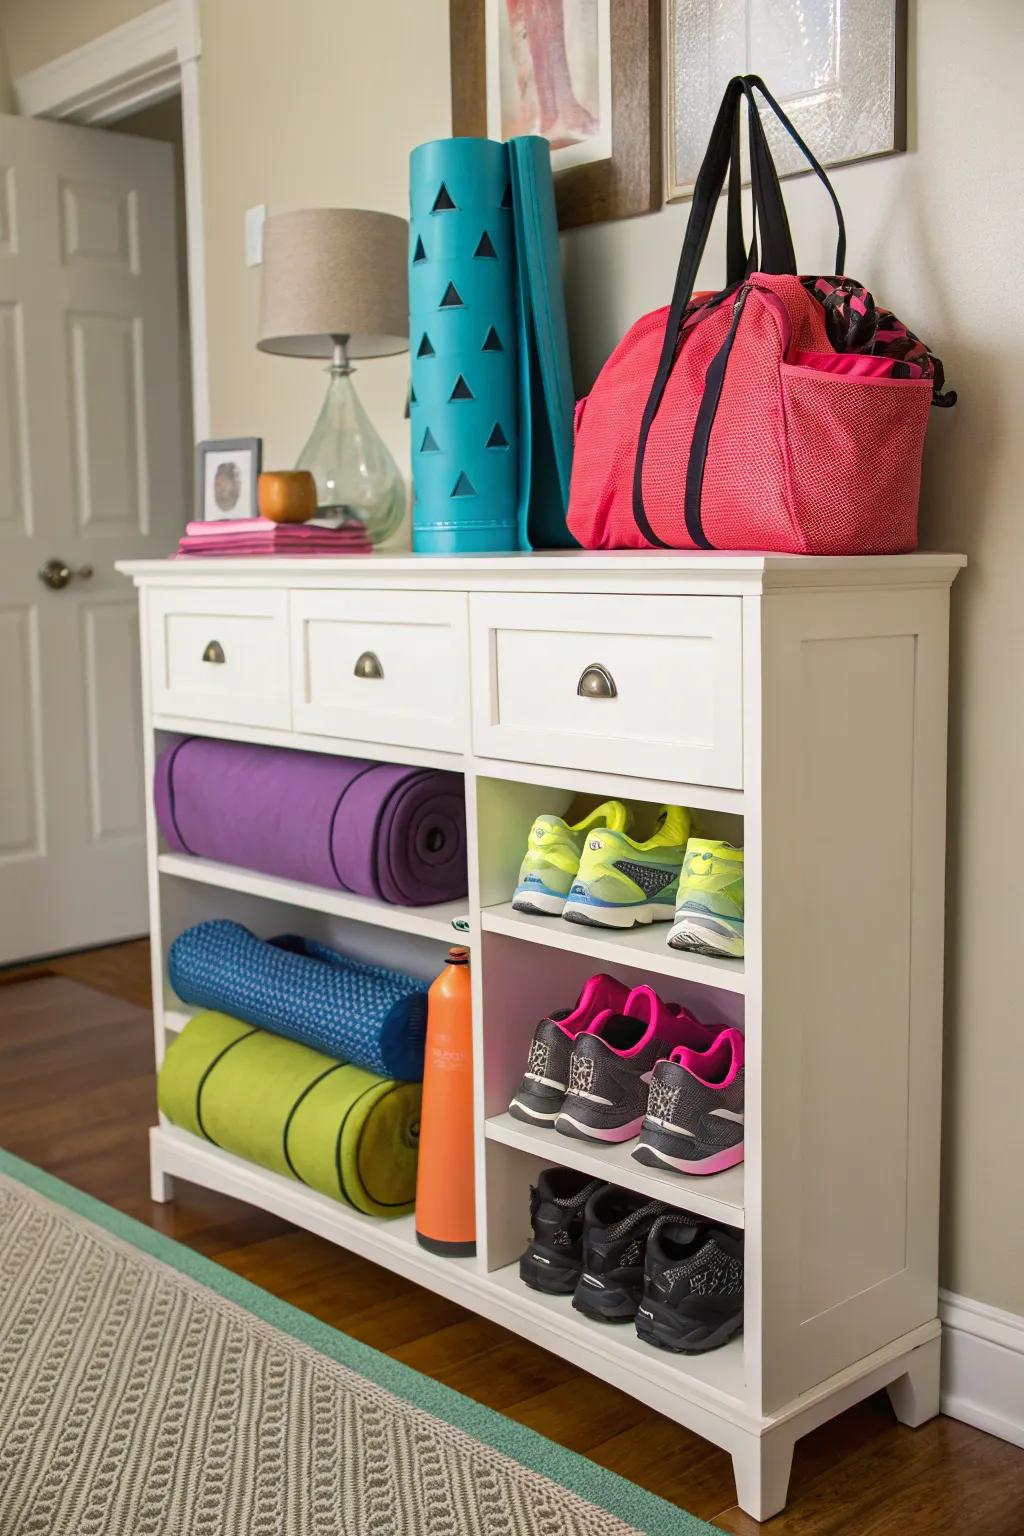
<point>983,1366</point>
<point>130,67</point>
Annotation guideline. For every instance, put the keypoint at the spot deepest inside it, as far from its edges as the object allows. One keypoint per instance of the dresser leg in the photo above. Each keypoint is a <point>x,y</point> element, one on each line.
<point>915,1395</point>
<point>761,1467</point>
<point>161,1185</point>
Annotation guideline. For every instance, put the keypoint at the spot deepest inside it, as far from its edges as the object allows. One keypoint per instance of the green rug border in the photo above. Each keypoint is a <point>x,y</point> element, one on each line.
<point>635,1506</point>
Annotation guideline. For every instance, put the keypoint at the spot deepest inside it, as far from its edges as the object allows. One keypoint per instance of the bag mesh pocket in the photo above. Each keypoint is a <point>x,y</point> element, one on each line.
<point>854,447</point>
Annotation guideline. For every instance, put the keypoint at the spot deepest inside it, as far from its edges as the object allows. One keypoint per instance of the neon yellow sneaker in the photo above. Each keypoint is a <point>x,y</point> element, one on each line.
<point>553,857</point>
<point>709,918</point>
<point>622,882</point>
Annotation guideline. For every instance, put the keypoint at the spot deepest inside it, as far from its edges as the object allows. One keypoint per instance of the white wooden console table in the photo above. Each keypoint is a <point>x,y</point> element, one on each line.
<point>797,704</point>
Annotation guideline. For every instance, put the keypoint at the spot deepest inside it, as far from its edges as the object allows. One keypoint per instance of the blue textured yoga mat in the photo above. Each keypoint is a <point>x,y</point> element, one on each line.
<point>368,1015</point>
<point>491,400</point>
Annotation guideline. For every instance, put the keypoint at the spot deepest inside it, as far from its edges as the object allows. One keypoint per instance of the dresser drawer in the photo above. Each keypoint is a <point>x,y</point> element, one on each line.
<point>220,655</point>
<point>381,666</point>
<point>650,686</point>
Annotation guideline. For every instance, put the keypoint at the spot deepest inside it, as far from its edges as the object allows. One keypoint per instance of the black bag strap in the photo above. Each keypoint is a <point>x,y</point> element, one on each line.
<point>757,84</point>
<point>721,154</point>
<point>776,254</point>
<point>768,206</point>
<point>737,257</point>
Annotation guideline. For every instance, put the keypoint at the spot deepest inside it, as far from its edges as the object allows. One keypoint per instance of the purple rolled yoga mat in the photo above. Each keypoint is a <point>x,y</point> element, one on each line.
<point>376,829</point>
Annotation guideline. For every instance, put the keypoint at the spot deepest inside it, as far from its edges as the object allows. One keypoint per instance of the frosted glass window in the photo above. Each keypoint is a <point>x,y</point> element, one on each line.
<point>836,66</point>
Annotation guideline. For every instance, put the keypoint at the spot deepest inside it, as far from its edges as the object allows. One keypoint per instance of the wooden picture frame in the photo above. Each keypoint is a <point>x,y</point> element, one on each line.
<point>630,180</point>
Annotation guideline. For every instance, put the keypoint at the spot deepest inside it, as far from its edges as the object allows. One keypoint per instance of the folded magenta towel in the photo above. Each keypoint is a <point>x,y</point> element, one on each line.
<point>258,536</point>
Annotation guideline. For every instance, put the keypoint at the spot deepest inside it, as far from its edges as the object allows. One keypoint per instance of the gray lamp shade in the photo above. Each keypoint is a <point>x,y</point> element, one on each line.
<point>334,272</point>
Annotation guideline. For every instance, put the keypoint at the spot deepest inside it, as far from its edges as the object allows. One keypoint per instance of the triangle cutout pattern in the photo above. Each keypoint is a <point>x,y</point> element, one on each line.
<point>497,438</point>
<point>461,391</point>
<point>419,254</point>
<point>506,199</point>
<point>485,247</point>
<point>412,396</point>
<point>425,348</point>
<point>443,202</point>
<point>452,298</point>
<point>464,486</point>
<point>429,443</point>
<point>492,342</point>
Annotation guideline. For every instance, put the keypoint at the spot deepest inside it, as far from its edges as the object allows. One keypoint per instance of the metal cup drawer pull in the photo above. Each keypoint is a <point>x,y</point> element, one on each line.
<point>596,682</point>
<point>214,652</point>
<point>368,665</point>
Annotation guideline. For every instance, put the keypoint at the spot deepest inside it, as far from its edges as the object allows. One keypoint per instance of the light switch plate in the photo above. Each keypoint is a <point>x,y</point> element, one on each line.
<point>254,218</point>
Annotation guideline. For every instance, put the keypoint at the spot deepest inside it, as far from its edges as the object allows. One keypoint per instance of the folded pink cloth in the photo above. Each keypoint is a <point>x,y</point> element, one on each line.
<point>207,551</point>
<point>258,536</point>
<point>246,527</point>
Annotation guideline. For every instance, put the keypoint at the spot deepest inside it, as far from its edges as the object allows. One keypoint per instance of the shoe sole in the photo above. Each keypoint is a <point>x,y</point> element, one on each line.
<point>603,1305</point>
<point>680,1336</point>
<point>570,1126</point>
<point>617,917</point>
<point>540,1273</point>
<point>654,1157</point>
<point>522,1111</point>
<point>706,937</point>
<point>537,903</point>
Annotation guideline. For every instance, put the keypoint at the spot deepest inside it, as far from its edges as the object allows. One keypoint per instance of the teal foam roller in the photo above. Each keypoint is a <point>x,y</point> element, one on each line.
<point>463,342</point>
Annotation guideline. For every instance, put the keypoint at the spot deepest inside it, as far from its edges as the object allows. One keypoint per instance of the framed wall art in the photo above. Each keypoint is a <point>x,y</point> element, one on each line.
<point>585,75</point>
<point>838,67</point>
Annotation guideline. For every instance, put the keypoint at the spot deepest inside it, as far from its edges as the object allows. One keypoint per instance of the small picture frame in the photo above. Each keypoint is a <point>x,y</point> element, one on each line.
<point>227,470</point>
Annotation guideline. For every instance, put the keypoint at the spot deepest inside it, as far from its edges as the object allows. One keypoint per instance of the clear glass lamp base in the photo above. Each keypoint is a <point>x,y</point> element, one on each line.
<point>355,475</point>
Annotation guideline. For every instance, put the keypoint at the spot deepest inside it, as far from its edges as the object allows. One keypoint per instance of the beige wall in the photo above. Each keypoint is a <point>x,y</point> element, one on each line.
<point>6,93</point>
<point>319,101</point>
<point>37,31</point>
<point>933,233</point>
<point>316,103</point>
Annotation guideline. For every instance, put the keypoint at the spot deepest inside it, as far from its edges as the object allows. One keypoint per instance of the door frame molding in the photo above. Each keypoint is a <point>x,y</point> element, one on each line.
<point>144,61</point>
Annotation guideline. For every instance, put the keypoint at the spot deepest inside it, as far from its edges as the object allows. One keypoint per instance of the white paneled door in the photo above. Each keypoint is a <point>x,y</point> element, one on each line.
<point>90,472</point>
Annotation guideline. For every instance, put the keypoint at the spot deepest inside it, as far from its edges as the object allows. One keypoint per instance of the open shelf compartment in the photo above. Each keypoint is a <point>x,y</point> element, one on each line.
<point>644,948</point>
<point>446,921</point>
<point>717,1197</point>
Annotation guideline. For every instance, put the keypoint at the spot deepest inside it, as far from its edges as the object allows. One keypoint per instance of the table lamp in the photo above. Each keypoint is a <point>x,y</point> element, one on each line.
<point>335,286</point>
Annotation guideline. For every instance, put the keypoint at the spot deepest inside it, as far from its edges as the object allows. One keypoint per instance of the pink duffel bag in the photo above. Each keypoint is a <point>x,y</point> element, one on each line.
<point>783,413</point>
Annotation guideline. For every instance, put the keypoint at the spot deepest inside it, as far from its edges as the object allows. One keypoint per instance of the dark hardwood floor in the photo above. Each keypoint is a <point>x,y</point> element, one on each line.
<point>77,1100</point>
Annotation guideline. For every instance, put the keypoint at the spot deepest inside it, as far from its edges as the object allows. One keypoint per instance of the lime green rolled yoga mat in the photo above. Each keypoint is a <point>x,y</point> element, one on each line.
<point>346,1132</point>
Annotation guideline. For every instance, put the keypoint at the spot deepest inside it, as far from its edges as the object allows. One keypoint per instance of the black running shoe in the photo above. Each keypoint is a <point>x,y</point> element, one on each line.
<point>693,1287</point>
<point>554,1259</point>
<point>614,1238</point>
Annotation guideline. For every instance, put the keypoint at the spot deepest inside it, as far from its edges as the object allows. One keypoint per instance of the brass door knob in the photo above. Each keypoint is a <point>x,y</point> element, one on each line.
<point>214,652</point>
<point>596,682</point>
<point>56,574</point>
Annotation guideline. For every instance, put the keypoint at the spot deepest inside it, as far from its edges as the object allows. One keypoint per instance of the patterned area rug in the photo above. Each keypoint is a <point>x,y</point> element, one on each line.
<point>145,1389</point>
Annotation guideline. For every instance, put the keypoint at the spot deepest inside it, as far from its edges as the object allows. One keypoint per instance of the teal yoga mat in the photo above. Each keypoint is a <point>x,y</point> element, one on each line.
<point>491,400</point>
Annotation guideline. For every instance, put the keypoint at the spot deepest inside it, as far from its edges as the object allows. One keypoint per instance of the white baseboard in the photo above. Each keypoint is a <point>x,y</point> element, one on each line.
<point>983,1366</point>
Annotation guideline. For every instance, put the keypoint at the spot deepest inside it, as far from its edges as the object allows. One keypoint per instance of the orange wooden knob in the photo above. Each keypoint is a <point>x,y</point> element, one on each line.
<point>287,495</point>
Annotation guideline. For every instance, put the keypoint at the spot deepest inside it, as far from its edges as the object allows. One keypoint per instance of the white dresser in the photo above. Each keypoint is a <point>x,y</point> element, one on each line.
<point>800,706</point>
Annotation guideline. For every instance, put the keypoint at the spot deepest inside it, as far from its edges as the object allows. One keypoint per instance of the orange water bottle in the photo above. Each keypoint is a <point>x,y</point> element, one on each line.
<point>445,1202</point>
